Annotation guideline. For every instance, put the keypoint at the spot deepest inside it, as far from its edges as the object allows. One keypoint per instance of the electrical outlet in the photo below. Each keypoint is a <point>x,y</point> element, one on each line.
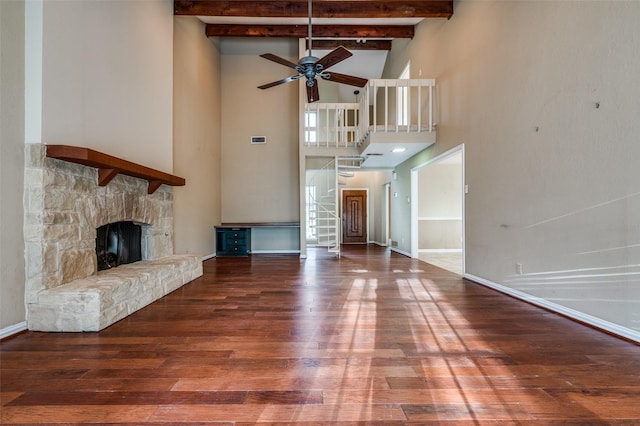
<point>519,268</point>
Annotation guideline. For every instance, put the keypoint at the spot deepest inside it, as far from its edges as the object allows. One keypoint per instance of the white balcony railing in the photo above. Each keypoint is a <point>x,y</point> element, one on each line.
<point>385,105</point>
<point>399,105</point>
<point>332,124</point>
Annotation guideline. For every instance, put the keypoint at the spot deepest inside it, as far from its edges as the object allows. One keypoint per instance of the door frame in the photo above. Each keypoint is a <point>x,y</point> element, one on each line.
<point>342,211</point>
<point>415,196</point>
<point>386,191</point>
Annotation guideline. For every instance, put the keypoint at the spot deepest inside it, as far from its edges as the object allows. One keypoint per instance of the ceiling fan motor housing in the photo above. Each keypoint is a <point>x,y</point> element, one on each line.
<point>308,68</point>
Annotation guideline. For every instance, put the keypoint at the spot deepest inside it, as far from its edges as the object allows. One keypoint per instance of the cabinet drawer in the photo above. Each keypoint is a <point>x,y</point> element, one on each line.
<point>233,241</point>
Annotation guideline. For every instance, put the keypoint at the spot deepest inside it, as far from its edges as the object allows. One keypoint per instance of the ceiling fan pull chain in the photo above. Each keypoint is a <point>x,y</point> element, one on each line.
<point>310,38</point>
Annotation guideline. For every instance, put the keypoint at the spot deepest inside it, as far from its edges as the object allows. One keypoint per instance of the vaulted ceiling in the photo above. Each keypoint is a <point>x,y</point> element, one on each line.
<point>350,22</point>
<point>365,27</point>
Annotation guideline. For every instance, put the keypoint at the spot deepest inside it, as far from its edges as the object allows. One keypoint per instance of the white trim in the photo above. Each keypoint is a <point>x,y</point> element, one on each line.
<point>275,251</point>
<point>378,243</point>
<point>33,41</point>
<point>209,256</point>
<point>402,252</point>
<point>601,324</point>
<point>13,329</point>
<point>387,212</point>
<point>439,218</point>
<point>464,221</point>
<point>439,250</point>
<point>414,232</point>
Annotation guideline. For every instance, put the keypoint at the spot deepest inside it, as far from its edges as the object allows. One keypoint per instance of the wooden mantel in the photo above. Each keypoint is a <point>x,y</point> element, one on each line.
<point>109,166</point>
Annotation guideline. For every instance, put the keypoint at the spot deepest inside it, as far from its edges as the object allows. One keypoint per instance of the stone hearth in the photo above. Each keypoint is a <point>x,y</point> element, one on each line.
<point>63,208</point>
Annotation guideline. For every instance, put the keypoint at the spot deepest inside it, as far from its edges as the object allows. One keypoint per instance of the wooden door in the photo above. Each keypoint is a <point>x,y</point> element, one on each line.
<point>354,216</point>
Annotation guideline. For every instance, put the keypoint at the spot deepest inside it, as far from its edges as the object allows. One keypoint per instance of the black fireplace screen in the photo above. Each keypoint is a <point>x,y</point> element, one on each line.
<point>118,243</point>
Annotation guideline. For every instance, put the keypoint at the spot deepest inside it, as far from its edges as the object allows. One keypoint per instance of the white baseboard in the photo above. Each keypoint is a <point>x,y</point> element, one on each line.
<point>275,251</point>
<point>209,256</point>
<point>601,324</point>
<point>378,243</point>
<point>13,329</point>
<point>439,250</point>
<point>402,252</point>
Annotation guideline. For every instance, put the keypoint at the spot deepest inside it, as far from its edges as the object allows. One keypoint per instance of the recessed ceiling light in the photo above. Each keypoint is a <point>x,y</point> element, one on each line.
<point>398,149</point>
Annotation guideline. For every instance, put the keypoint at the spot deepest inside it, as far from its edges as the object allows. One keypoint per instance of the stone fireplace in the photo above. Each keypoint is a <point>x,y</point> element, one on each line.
<point>64,206</point>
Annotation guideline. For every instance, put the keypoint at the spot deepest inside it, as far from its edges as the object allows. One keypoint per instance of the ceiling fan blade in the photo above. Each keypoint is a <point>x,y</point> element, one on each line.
<point>338,54</point>
<point>279,60</point>
<point>346,79</point>
<point>276,83</point>
<point>313,94</point>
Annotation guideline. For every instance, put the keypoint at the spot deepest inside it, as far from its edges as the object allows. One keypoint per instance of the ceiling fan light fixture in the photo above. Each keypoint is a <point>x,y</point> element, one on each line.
<point>311,67</point>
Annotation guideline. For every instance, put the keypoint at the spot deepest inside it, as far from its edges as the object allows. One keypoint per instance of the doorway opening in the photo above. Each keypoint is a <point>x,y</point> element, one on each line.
<point>437,211</point>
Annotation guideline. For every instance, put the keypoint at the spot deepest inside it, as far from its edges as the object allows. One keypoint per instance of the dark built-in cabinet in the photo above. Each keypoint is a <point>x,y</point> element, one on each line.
<point>233,241</point>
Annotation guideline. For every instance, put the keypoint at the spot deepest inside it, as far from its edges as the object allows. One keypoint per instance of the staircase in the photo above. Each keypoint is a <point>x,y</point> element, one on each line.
<point>323,201</point>
<point>322,206</point>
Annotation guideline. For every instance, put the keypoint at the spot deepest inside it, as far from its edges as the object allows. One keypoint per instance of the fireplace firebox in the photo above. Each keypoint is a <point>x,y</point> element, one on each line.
<point>118,243</point>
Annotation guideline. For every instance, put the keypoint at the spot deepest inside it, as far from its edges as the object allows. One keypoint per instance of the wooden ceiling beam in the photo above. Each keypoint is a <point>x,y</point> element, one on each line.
<point>351,44</point>
<point>301,31</point>
<point>321,8</point>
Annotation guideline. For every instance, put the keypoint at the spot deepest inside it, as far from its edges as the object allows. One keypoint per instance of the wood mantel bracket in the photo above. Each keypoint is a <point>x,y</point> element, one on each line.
<point>105,176</point>
<point>109,166</point>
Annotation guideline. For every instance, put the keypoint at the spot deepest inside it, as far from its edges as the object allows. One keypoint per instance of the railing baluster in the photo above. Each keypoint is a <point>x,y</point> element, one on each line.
<point>408,103</point>
<point>375,107</point>
<point>431,107</point>
<point>398,107</point>
<point>386,105</point>
<point>419,105</point>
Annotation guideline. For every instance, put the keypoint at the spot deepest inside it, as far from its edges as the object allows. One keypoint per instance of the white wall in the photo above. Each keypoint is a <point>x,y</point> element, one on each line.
<point>545,97</point>
<point>12,308</point>
<point>196,136</point>
<point>107,76</point>
<point>97,74</point>
<point>259,182</point>
<point>440,205</point>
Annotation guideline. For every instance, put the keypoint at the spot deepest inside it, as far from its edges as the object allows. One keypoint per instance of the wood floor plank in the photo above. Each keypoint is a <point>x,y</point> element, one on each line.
<point>76,414</point>
<point>78,398</point>
<point>279,383</point>
<point>371,336</point>
<point>106,385</point>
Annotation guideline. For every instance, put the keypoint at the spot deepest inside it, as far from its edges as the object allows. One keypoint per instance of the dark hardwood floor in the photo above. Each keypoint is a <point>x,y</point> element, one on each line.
<point>372,337</point>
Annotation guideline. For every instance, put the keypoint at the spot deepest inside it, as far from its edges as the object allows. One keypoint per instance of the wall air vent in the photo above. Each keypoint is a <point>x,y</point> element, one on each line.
<point>258,139</point>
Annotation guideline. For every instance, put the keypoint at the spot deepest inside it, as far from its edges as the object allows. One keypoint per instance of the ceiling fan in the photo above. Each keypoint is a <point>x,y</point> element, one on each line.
<point>312,67</point>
